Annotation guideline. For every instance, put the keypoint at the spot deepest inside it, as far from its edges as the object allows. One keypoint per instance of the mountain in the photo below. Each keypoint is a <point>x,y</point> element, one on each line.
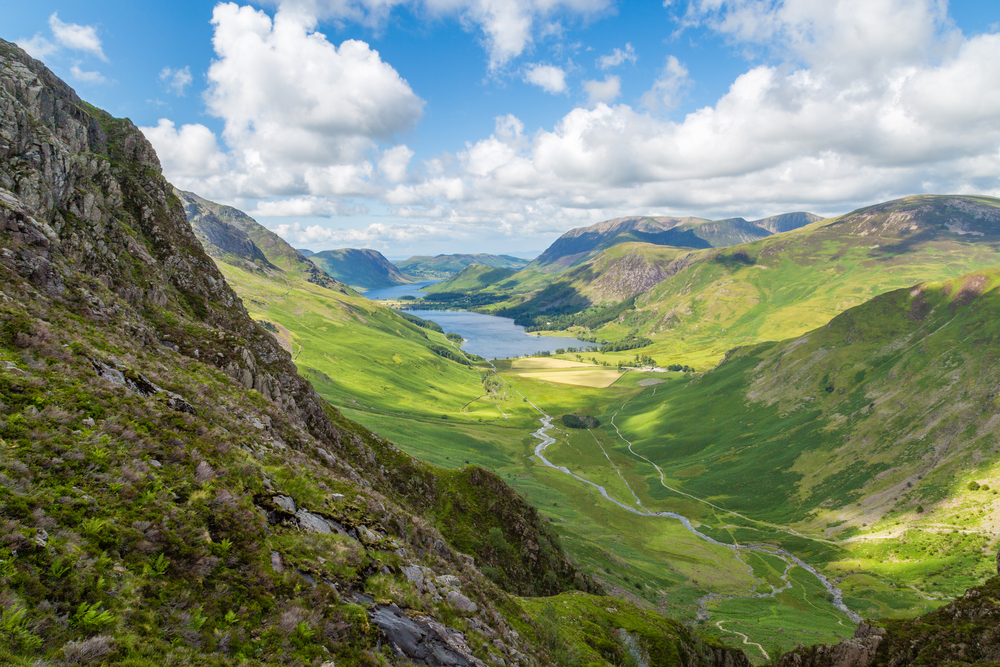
<point>423,267</point>
<point>364,269</point>
<point>231,236</point>
<point>306,253</point>
<point>697,304</point>
<point>577,245</point>
<point>174,492</point>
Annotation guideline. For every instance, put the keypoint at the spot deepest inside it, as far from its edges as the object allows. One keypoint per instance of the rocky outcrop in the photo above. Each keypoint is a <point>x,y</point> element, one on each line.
<point>217,236</point>
<point>632,274</point>
<point>859,651</point>
<point>423,640</point>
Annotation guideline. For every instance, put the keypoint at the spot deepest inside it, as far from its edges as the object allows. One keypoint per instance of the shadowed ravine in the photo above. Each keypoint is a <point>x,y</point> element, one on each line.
<point>791,560</point>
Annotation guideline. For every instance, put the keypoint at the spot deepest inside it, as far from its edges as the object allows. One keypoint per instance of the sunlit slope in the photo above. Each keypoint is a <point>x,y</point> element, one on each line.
<point>577,246</point>
<point>472,278</point>
<point>889,408</point>
<point>356,352</point>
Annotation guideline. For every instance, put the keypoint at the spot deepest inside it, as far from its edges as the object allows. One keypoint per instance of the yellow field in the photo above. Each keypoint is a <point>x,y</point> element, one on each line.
<point>547,362</point>
<point>595,377</point>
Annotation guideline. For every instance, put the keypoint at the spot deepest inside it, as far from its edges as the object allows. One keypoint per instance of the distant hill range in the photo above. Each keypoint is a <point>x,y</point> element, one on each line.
<point>424,267</point>
<point>359,267</point>
<point>579,244</point>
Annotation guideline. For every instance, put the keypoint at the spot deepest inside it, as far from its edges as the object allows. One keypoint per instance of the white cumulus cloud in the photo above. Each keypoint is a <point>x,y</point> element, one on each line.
<point>549,78</point>
<point>603,91</point>
<point>72,36</point>
<point>77,37</point>
<point>188,155</point>
<point>859,102</point>
<point>394,163</point>
<point>507,27</point>
<point>301,116</point>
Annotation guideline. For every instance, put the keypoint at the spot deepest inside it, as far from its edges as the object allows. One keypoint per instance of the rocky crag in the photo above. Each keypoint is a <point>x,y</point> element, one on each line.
<point>173,492</point>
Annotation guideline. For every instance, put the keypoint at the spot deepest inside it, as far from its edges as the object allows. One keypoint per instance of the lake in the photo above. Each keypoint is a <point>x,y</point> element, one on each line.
<point>413,289</point>
<point>495,337</point>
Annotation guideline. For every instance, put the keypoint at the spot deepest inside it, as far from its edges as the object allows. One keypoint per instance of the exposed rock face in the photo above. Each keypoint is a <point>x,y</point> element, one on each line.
<point>423,640</point>
<point>632,274</point>
<point>82,193</point>
<point>859,651</point>
<point>215,233</point>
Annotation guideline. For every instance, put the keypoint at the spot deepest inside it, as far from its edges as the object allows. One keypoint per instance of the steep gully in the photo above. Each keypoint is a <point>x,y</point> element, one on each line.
<point>790,559</point>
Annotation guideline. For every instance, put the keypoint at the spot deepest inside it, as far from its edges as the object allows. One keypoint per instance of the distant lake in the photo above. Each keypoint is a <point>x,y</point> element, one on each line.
<point>399,290</point>
<point>494,337</point>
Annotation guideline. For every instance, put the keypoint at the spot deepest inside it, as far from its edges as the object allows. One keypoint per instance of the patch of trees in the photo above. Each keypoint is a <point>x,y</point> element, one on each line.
<point>567,316</point>
<point>454,298</point>
<point>442,351</point>
<point>420,322</point>
<point>680,369</point>
<point>454,338</point>
<point>629,343</point>
<point>640,361</point>
<point>738,257</point>
<point>579,421</point>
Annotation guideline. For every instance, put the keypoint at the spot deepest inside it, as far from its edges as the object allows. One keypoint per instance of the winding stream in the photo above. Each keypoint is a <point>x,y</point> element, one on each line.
<point>790,559</point>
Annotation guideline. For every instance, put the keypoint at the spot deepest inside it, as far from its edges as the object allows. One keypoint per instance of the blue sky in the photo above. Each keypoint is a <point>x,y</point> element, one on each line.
<point>431,126</point>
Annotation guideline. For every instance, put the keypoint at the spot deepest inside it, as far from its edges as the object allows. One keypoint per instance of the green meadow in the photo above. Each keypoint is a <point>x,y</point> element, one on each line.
<point>845,429</point>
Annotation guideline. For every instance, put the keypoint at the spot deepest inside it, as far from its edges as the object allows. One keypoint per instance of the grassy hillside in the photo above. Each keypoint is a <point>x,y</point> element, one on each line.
<point>901,387</point>
<point>357,352</point>
<point>360,268</point>
<point>960,633</point>
<point>578,245</point>
<point>696,304</point>
<point>172,492</point>
<point>472,278</point>
<point>422,267</point>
